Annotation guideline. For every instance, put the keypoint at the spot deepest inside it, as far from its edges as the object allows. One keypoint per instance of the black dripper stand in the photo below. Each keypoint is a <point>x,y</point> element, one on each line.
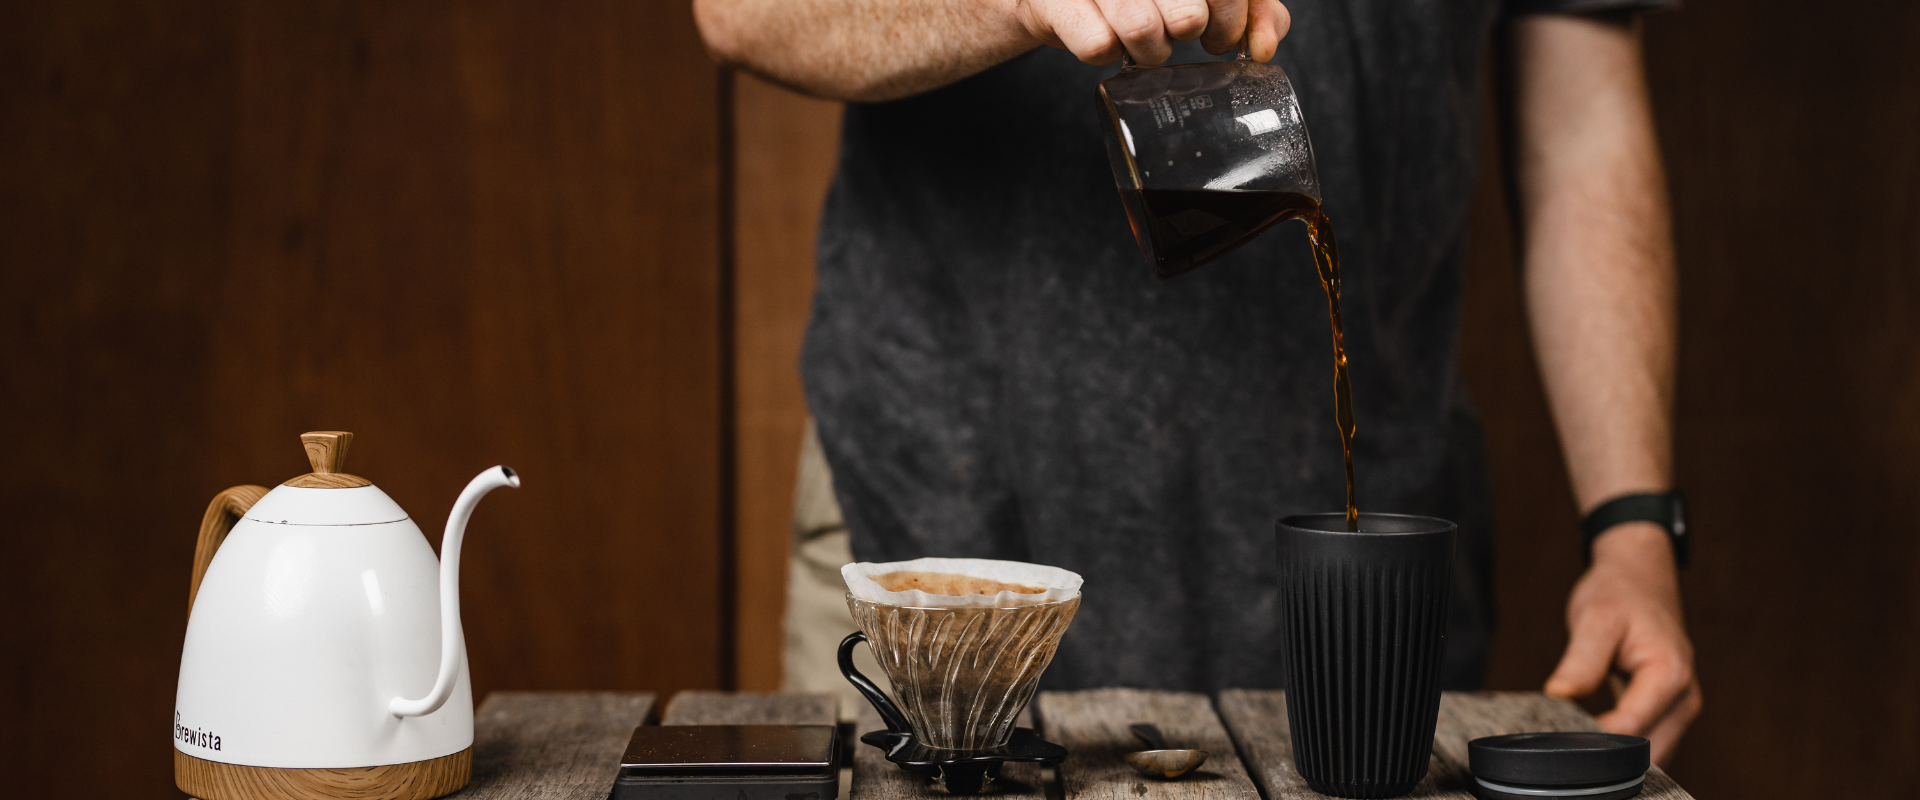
<point>964,771</point>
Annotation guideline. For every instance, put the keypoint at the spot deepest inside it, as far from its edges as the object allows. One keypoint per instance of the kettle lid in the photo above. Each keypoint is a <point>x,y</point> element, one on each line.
<point>327,452</point>
<point>328,495</point>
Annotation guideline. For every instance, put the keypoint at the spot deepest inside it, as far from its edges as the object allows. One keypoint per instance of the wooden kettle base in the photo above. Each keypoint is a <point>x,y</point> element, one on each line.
<point>419,780</point>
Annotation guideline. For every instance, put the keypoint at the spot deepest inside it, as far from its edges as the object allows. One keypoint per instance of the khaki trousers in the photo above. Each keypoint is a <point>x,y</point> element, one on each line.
<point>817,617</point>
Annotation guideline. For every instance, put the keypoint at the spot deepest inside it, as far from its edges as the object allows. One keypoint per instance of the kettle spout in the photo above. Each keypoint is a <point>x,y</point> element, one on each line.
<point>452,639</point>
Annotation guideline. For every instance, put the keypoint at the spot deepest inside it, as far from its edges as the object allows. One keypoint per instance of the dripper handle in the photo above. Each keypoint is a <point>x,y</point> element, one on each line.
<point>896,721</point>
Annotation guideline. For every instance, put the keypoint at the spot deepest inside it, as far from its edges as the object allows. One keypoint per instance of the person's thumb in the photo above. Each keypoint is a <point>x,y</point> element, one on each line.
<point>1590,649</point>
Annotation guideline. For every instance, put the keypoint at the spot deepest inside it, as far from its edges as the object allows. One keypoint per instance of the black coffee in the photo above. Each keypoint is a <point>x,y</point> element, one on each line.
<point>1181,229</point>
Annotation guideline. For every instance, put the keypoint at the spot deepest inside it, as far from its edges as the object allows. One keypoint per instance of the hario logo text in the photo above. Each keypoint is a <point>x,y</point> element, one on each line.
<point>194,736</point>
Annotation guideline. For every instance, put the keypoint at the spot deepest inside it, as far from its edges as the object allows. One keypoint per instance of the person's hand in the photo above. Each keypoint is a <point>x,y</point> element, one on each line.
<point>1098,30</point>
<point>1623,620</point>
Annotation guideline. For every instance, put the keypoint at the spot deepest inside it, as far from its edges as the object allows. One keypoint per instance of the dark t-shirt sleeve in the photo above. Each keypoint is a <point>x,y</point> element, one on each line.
<point>1514,8</point>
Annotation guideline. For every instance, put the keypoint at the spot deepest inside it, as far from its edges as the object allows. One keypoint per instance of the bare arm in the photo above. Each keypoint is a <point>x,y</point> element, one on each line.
<point>870,50</point>
<point>1600,293</point>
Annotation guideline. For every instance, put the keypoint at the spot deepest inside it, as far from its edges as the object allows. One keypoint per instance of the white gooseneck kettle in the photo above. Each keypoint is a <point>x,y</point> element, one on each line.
<point>324,655</point>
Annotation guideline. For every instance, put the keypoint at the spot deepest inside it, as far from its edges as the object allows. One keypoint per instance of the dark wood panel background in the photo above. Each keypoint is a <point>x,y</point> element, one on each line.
<point>481,233</point>
<point>472,233</point>
<point>785,147</point>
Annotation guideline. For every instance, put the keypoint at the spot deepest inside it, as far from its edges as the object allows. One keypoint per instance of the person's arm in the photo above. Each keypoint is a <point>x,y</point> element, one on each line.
<point>871,50</point>
<point>1599,272</point>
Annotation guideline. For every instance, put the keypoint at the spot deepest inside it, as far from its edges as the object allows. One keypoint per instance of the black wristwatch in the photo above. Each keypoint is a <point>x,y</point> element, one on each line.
<point>1666,509</point>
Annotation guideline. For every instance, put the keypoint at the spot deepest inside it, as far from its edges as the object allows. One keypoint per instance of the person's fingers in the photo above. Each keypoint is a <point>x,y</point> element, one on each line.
<point>1589,654</point>
<point>1270,22</point>
<point>1028,14</point>
<point>1184,20</point>
<point>1656,687</point>
<point>1666,733</point>
<point>1226,20</point>
<point>1077,26</point>
<point>1140,28</point>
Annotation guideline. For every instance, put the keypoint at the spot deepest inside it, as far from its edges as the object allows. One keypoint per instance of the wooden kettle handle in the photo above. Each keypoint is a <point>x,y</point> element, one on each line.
<point>222,513</point>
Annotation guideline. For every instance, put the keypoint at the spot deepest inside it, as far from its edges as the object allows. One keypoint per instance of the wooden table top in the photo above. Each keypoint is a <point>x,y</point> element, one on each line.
<point>568,745</point>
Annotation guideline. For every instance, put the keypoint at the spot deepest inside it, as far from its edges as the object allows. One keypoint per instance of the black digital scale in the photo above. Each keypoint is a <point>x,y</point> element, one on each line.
<point>730,762</point>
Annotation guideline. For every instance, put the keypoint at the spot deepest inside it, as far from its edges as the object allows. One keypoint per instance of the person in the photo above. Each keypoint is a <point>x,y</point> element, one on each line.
<point>996,373</point>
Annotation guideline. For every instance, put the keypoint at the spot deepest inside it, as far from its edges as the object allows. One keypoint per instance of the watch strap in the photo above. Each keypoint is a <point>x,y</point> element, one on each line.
<point>1666,509</point>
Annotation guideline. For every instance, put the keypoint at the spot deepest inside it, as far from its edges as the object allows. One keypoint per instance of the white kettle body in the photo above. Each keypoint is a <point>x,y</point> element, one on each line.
<point>324,649</point>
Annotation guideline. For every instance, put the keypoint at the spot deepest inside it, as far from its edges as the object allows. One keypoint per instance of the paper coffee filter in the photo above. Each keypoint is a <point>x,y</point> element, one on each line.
<point>1059,584</point>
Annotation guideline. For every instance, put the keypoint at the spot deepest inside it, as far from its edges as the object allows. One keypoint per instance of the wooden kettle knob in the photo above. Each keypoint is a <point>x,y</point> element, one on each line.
<point>327,452</point>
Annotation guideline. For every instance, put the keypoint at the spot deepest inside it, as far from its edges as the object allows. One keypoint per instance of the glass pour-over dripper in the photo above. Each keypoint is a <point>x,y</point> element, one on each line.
<point>1206,156</point>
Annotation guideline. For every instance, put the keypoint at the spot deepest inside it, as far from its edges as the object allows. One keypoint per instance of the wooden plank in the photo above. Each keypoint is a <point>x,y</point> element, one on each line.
<point>1258,719</point>
<point>874,778</point>
<point>554,746</point>
<point>1092,725</point>
<point>751,708</point>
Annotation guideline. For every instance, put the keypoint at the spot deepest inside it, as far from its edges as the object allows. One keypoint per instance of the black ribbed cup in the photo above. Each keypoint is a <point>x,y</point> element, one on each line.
<point>1363,622</point>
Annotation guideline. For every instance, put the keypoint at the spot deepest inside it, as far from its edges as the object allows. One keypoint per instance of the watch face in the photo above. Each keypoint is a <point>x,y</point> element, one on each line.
<point>1682,542</point>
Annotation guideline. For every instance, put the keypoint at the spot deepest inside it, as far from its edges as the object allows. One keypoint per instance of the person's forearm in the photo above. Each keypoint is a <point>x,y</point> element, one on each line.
<point>873,50</point>
<point>1598,252</point>
<point>862,50</point>
<point>1600,293</point>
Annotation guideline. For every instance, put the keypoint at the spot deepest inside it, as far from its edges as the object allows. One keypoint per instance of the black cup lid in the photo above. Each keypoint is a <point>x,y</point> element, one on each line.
<point>1558,759</point>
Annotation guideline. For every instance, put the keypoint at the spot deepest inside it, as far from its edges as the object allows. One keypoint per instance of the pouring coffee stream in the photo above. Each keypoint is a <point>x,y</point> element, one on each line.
<point>1206,157</point>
